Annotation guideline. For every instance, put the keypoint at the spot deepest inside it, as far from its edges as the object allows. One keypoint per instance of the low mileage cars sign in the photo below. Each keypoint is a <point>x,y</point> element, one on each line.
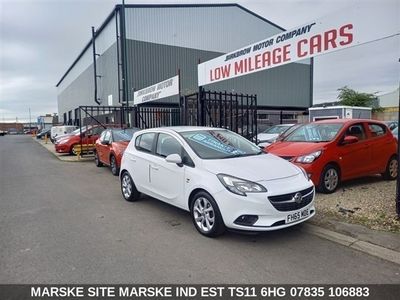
<point>166,88</point>
<point>332,33</point>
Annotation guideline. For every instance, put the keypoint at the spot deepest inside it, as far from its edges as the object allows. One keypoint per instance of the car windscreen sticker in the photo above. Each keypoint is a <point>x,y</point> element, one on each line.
<point>214,144</point>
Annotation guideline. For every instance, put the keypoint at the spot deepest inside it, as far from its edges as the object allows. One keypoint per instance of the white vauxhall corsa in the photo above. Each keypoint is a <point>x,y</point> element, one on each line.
<point>224,180</point>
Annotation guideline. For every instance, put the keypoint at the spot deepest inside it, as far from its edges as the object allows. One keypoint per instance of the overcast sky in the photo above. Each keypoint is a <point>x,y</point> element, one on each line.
<point>39,40</point>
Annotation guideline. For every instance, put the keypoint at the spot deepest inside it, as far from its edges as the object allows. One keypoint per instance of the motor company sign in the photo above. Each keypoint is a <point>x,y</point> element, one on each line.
<point>166,88</point>
<point>314,38</point>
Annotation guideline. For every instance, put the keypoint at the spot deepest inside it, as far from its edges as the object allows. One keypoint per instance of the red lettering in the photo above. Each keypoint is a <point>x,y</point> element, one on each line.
<point>286,52</point>
<point>347,35</point>
<point>330,38</point>
<point>315,44</point>
<point>226,70</point>
<point>250,67</point>
<point>258,61</point>
<point>266,59</point>
<point>211,75</point>
<point>238,66</point>
<point>276,57</point>
<point>301,53</point>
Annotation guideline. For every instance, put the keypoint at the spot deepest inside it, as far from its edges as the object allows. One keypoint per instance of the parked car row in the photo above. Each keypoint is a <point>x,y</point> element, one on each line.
<point>227,182</point>
<point>332,151</point>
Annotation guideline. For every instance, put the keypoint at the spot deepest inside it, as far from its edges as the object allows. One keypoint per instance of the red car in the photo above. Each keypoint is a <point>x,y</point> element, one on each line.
<point>89,135</point>
<point>110,147</point>
<point>332,151</point>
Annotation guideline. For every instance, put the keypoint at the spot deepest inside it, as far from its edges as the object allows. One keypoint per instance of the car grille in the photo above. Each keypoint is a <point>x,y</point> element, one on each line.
<point>286,203</point>
<point>287,157</point>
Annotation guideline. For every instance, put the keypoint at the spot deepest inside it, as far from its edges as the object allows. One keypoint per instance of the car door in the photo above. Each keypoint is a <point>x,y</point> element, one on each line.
<point>380,146</point>
<point>139,161</point>
<point>167,179</point>
<point>104,147</point>
<point>100,146</point>
<point>355,158</point>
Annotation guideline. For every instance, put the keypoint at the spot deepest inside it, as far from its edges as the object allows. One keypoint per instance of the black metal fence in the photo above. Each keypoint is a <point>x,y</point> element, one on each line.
<point>233,111</point>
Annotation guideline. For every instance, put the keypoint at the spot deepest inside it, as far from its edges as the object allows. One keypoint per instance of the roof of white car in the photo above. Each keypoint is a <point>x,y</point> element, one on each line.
<point>186,128</point>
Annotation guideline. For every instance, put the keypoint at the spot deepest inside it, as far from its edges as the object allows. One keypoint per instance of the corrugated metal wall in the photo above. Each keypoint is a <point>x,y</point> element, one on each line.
<point>361,113</point>
<point>162,39</point>
<point>326,112</point>
<point>149,63</point>
<point>81,90</point>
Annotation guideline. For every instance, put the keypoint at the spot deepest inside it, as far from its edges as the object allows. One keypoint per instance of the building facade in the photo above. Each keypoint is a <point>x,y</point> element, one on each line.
<point>140,45</point>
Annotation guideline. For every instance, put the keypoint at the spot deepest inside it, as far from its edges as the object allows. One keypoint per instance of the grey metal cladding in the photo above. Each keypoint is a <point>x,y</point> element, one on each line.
<point>216,29</point>
<point>326,112</point>
<point>361,113</point>
<point>149,63</point>
<point>81,90</point>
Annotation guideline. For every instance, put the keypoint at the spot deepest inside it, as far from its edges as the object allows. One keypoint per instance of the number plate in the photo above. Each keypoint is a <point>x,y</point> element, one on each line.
<point>298,215</point>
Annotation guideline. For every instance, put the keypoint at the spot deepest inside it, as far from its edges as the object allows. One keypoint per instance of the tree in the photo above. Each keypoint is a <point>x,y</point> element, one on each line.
<point>350,97</point>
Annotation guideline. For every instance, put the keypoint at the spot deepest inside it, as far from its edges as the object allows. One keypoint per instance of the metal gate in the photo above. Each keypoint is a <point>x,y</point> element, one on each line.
<point>233,111</point>
<point>157,115</point>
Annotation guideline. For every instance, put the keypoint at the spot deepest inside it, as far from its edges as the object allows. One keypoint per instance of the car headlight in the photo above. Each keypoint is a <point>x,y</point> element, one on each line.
<point>304,172</point>
<point>240,186</point>
<point>309,158</point>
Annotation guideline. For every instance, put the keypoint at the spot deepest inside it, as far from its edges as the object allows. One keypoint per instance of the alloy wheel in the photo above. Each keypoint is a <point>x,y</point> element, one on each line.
<point>331,179</point>
<point>204,214</point>
<point>393,168</point>
<point>126,186</point>
<point>113,165</point>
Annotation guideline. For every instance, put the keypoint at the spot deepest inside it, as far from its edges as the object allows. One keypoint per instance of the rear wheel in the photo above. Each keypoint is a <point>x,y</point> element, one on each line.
<point>114,166</point>
<point>97,161</point>
<point>72,151</point>
<point>206,215</point>
<point>128,188</point>
<point>391,169</point>
<point>329,180</point>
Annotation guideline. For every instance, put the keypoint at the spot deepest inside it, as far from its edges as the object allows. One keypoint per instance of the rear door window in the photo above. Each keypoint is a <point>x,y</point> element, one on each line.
<point>376,129</point>
<point>144,142</point>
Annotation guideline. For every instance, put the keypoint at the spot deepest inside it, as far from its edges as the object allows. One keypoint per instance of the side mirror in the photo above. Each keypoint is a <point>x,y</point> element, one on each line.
<point>174,158</point>
<point>350,139</point>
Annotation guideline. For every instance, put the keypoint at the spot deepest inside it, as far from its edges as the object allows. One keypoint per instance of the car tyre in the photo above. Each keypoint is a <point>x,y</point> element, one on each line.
<point>330,179</point>
<point>206,215</point>
<point>97,161</point>
<point>71,151</point>
<point>391,169</point>
<point>128,188</point>
<point>114,166</point>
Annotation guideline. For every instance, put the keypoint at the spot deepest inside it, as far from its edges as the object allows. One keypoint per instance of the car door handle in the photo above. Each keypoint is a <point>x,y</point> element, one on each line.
<point>154,168</point>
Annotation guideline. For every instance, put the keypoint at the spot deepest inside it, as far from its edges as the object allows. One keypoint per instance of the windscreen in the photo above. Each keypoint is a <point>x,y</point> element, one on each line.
<point>314,133</point>
<point>217,144</point>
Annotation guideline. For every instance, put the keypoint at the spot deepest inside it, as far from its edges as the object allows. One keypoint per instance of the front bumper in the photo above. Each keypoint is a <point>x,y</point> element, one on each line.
<point>269,218</point>
<point>62,148</point>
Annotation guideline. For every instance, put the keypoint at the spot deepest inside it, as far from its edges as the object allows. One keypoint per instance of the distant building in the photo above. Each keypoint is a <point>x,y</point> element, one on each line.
<point>12,127</point>
<point>390,104</point>
<point>47,121</point>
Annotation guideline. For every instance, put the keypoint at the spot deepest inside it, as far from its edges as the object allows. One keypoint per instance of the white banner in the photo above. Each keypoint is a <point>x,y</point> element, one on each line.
<point>166,88</point>
<point>344,29</point>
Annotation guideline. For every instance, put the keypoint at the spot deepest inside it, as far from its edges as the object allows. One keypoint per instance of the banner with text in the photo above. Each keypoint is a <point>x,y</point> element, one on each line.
<point>166,88</point>
<point>331,33</point>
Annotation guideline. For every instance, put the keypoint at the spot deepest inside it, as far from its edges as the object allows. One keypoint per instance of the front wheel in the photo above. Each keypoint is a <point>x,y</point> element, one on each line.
<point>329,179</point>
<point>206,215</point>
<point>114,166</point>
<point>97,161</point>
<point>391,169</point>
<point>128,188</point>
